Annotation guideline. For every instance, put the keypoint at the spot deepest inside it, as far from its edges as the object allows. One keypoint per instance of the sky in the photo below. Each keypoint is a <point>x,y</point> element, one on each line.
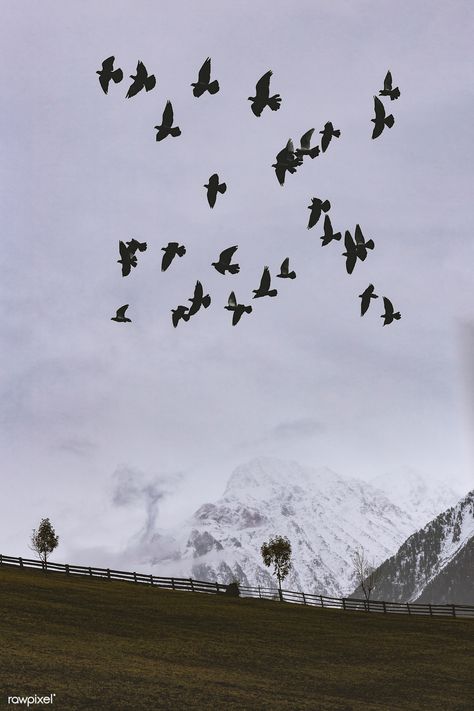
<point>86,402</point>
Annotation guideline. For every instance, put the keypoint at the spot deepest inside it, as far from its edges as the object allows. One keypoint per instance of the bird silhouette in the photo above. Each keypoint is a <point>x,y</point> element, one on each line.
<point>262,96</point>
<point>328,134</point>
<point>166,127</point>
<point>179,313</point>
<point>329,234</point>
<point>361,245</point>
<point>264,288</point>
<point>284,270</point>
<point>305,145</point>
<point>135,245</point>
<point>237,309</point>
<point>204,82</point>
<point>389,314</point>
<point>198,299</point>
<point>224,264</point>
<point>141,81</point>
<point>366,296</point>
<point>317,206</point>
<point>108,73</point>
<point>120,315</point>
<point>127,260</point>
<point>387,88</point>
<point>213,187</point>
<point>286,160</point>
<point>380,120</point>
<point>351,252</point>
<point>172,250</point>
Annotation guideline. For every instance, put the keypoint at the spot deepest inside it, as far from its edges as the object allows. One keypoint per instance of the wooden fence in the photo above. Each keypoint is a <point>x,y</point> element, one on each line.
<point>201,586</point>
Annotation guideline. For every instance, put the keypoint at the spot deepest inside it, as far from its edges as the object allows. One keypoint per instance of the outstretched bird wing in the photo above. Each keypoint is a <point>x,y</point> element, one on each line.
<point>285,266</point>
<point>226,255</point>
<point>265,280</point>
<point>121,311</point>
<point>388,306</point>
<point>168,115</point>
<point>262,88</point>
<point>305,140</point>
<point>232,302</point>
<point>379,118</point>
<point>198,292</point>
<point>108,64</point>
<point>167,257</point>
<point>387,82</point>
<point>359,237</point>
<point>349,242</point>
<point>205,72</point>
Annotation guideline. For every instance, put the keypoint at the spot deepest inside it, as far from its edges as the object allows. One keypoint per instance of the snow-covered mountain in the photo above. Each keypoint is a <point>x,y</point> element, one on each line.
<point>325,516</point>
<point>435,564</point>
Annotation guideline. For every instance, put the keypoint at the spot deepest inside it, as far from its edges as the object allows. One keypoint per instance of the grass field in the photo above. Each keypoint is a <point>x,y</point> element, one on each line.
<point>107,645</point>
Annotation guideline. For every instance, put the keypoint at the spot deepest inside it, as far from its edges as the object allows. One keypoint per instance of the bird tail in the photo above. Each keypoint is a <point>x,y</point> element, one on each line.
<point>117,76</point>
<point>272,292</point>
<point>337,236</point>
<point>181,250</point>
<point>206,301</point>
<point>213,87</point>
<point>325,206</point>
<point>292,275</point>
<point>248,309</point>
<point>370,244</point>
<point>133,261</point>
<point>395,93</point>
<point>222,188</point>
<point>175,131</point>
<point>397,316</point>
<point>336,134</point>
<point>274,102</point>
<point>234,269</point>
<point>142,246</point>
<point>389,121</point>
<point>314,152</point>
<point>185,317</point>
<point>150,82</point>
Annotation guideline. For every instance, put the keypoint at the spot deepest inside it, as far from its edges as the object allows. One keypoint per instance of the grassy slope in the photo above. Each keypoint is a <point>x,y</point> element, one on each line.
<point>106,645</point>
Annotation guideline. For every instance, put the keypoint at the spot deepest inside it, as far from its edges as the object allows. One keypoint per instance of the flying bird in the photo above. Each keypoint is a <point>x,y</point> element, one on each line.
<point>329,234</point>
<point>389,314</point>
<point>328,134</point>
<point>141,81</point>
<point>264,288</point>
<point>380,120</point>
<point>387,88</point>
<point>317,206</point>
<point>135,245</point>
<point>213,187</point>
<point>285,270</point>
<point>198,299</point>
<point>179,313</point>
<point>204,82</point>
<point>305,145</point>
<point>286,160</point>
<point>366,296</point>
<point>351,252</point>
<point>238,309</point>
<point>262,96</point>
<point>172,250</point>
<point>120,315</point>
<point>224,264</point>
<point>166,128</point>
<point>127,260</point>
<point>108,73</point>
<point>361,245</point>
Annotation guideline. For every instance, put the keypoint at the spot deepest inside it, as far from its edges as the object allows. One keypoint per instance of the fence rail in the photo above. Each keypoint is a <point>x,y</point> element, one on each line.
<point>202,586</point>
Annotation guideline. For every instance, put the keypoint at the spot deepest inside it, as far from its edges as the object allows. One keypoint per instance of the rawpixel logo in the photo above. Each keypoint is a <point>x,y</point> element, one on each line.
<point>31,700</point>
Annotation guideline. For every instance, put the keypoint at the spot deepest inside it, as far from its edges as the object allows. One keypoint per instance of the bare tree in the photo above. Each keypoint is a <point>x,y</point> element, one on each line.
<point>277,552</point>
<point>366,572</point>
<point>44,540</point>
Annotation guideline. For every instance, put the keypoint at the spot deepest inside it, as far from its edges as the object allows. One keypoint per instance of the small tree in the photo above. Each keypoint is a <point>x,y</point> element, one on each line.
<point>367,573</point>
<point>44,540</point>
<point>277,552</point>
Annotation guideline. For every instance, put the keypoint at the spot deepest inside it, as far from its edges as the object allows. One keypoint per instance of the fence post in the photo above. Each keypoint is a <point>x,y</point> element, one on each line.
<point>259,592</point>
<point>1,559</point>
<point>408,608</point>
<point>67,568</point>
<point>384,608</point>
<point>192,584</point>
<point>151,579</point>
<point>322,601</point>
<point>21,561</point>
<point>431,611</point>
<point>134,577</point>
<point>217,588</point>
<point>454,610</point>
<point>304,599</point>
<point>108,573</point>
<point>172,583</point>
<point>343,603</point>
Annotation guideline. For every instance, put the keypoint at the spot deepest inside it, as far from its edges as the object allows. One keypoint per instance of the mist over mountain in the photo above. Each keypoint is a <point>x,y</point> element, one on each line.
<point>324,515</point>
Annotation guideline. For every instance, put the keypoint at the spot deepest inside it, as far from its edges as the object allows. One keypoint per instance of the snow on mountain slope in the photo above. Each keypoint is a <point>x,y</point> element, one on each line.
<point>428,559</point>
<point>325,516</point>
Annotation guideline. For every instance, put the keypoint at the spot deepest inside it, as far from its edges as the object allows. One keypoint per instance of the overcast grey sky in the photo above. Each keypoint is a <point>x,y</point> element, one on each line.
<point>302,377</point>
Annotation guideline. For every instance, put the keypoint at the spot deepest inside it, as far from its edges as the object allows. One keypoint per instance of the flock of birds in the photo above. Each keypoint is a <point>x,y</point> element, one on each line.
<point>288,160</point>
